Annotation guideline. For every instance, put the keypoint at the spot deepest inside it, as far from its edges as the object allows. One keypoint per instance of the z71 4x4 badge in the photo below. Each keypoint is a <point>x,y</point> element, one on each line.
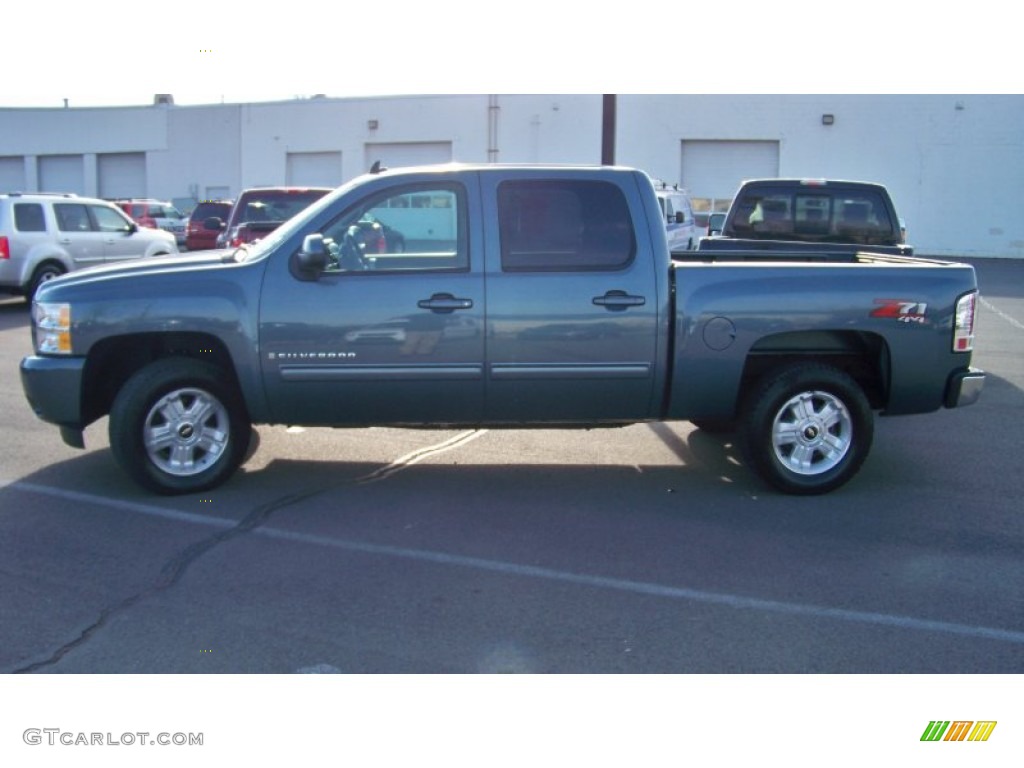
<point>901,310</point>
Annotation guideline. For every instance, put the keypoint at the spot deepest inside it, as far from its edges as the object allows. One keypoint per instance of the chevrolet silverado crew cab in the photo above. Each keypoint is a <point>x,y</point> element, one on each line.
<point>520,296</point>
<point>814,215</point>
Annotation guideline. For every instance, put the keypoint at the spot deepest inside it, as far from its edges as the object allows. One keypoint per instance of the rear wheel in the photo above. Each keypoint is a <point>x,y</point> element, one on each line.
<point>807,428</point>
<point>176,427</point>
<point>44,273</point>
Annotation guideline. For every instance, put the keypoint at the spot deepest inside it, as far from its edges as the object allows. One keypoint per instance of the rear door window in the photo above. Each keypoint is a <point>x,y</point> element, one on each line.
<point>564,225</point>
<point>72,217</point>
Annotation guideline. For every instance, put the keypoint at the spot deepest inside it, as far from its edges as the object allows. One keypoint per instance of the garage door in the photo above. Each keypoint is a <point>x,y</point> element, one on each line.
<point>61,173</point>
<point>313,169</point>
<point>122,174</point>
<point>714,169</point>
<point>403,154</point>
<point>12,174</point>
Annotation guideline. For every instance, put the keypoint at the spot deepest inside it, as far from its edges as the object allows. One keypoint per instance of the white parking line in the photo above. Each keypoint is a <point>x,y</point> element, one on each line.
<point>1011,320</point>
<point>415,457</point>
<point>549,574</point>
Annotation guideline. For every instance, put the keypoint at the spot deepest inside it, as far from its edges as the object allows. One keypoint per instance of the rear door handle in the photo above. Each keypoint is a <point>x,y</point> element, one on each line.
<point>617,301</point>
<point>444,303</point>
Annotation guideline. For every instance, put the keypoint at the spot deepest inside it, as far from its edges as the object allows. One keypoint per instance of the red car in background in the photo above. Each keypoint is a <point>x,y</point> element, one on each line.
<point>199,237</point>
<point>155,214</point>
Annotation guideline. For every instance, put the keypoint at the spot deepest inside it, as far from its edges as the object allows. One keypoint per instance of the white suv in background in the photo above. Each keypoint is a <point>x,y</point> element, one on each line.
<point>44,235</point>
<point>677,213</point>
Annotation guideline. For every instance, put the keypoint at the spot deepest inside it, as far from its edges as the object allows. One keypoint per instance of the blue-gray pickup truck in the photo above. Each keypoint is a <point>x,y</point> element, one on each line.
<point>498,296</point>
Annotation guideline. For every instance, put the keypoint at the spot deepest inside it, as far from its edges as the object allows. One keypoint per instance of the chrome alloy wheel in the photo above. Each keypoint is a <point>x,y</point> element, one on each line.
<point>186,431</point>
<point>812,432</point>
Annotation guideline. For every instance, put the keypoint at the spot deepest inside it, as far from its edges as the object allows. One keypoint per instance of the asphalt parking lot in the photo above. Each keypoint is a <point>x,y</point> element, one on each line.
<point>647,549</point>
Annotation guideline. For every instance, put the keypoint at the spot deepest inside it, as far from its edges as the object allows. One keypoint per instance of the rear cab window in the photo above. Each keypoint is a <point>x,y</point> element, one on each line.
<point>815,215</point>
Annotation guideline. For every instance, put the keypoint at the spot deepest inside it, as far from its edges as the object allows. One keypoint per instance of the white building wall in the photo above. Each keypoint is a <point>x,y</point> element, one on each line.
<point>202,151</point>
<point>270,131</point>
<point>954,164</point>
<point>548,129</point>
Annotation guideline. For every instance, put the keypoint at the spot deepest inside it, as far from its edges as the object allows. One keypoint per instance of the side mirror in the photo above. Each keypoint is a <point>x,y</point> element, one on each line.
<point>214,223</point>
<point>680,217</point>
<point>312,258</point>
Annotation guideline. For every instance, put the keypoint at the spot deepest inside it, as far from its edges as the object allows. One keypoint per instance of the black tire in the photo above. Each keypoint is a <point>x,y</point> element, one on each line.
<point>806,428</point>
<point>44,273</point>
<point>177,426</point>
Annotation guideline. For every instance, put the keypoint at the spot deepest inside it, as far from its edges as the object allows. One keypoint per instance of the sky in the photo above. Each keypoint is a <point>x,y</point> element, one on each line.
<point>104,53</point>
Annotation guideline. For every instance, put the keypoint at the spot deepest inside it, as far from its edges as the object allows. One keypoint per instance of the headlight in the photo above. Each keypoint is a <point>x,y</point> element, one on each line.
<point>53,328</point>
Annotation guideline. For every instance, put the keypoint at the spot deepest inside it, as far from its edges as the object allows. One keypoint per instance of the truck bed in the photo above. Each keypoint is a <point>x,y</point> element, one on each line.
<point>845,255</point>
<point>727,244</point>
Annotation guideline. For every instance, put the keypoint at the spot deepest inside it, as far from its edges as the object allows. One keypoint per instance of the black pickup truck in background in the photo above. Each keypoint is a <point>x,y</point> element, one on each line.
<point>261,210</point>
<point>816,215</point>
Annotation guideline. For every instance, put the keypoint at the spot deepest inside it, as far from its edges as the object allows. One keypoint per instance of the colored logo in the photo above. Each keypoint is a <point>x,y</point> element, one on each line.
<point>902,311</point>
<point>959,730</point>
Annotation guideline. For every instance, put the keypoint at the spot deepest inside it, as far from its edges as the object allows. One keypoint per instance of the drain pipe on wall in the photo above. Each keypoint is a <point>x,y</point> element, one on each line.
<point>608,129</point>
<point>493,112</point>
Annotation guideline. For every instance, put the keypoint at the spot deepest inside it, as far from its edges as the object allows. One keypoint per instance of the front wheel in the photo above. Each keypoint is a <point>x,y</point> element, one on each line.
<point>806,428</point>
<point>176,427</point>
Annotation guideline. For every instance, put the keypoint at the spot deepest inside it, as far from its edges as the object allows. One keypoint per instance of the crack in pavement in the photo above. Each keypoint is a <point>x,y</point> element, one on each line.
<point>175,568</point>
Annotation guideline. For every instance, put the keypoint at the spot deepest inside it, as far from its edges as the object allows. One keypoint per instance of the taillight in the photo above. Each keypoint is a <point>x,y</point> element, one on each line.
<point>963,329</point>
<point>5,248</point>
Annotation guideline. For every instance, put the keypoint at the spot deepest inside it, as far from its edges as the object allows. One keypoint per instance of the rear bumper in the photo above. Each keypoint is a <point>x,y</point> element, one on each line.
<point>964,388</point>
<point>53,387</point>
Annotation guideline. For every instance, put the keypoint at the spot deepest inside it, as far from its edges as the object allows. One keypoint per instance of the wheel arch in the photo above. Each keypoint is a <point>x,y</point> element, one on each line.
<point>863,356</point>
<point>112,361</point>
<point>34,265</point>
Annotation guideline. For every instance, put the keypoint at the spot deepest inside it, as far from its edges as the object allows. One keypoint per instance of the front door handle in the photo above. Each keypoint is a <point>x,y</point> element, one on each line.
<point>617,301</point>
<point>444,303</point>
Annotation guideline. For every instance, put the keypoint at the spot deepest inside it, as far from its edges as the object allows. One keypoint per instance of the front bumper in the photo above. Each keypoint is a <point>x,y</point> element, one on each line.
<point>53,387</point>
<point>964,387</point>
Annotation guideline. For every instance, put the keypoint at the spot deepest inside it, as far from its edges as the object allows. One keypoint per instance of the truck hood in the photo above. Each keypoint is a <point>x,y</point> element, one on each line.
<point>198,261</point>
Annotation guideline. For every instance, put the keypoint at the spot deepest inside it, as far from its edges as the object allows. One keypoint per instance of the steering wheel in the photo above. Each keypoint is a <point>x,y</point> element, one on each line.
<point>350,257</point>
